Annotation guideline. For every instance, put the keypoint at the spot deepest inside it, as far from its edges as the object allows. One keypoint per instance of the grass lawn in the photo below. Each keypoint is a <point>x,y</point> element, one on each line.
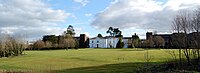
<point>83,60</point>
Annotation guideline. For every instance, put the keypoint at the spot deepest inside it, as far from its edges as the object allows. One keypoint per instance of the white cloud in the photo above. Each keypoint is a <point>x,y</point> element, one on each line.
<point>86,33</point>
<point>141,14</point>
<point>88,14</point>
<point>30,17</point>
<point>82,2</point>
<point>80,31</point>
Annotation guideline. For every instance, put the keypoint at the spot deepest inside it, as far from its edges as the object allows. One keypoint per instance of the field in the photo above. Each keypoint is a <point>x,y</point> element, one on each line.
<point>83,60</point>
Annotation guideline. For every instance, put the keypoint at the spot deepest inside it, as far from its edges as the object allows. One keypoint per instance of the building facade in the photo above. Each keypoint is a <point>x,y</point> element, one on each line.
<point>178,40</point>
<point>107,42</point>
<point>103,42</point>
<point>167,38</point>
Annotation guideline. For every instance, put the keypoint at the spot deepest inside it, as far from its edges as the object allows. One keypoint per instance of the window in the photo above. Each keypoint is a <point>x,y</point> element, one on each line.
<point>92,42</point>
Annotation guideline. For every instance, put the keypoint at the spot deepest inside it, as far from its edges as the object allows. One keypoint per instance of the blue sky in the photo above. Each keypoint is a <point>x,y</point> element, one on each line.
<point>81,15</point>
<point>35,18</point>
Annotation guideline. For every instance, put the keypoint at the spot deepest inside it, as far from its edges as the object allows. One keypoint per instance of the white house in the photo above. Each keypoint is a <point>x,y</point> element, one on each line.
<point>107,42</point>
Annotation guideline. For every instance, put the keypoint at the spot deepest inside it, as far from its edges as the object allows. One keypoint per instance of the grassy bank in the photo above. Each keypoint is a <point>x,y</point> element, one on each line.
<point>83,60</point>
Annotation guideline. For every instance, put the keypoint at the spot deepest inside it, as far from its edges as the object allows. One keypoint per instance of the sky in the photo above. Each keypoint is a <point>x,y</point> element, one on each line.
<point>35,18</point>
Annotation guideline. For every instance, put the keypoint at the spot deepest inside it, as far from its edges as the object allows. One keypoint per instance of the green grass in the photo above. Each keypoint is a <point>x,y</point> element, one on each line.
<point>83,60</point>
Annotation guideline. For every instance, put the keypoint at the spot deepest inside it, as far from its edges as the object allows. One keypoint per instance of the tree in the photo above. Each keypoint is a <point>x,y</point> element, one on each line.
<point>48,44</point>
<point>135,40</point>
<point>76,44</point>
<point>186,28</point>
<point>120,44</point>
<point>70,30</point>
<point>149,42</point>
<point>11,46</point>
<point>183,23</point>
<point>61,41</point>
<point>194,43</point>
<point>178,40</point>
<point>51,38</point>
<point>38,45</point>
<point>196,20</point>
<point>130,44</point>
<point>196,28</point>
<point>99,35</point>
<point>69,41</point>
<point>159,41</point>
<point>110,31</point>
<point>115,32</point>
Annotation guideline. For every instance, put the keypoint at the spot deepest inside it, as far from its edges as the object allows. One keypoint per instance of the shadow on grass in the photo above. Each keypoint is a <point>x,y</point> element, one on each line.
<point>110,68</point>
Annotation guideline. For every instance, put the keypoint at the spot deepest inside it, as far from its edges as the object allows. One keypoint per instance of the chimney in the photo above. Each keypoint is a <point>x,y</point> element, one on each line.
<point>148,35</point>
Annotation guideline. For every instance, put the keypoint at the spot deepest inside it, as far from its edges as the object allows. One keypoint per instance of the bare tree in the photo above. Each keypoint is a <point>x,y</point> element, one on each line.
<point>11,46</point>
<point>130,44</point>
<point>149,42</point>
<point>196,20</point>
<point>159,41</point>
<point>70,43</point>
<point>135,42</point>
<point>147,58</point>
<point>48,44</point>
<point>176,38</point>
<point>196,28</point>
<point>176,24</point>
<point>38,45</point>
<point>182,23</point>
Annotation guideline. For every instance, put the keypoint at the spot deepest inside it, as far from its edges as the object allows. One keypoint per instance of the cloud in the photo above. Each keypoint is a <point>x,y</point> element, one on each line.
<point>82,2</point>
<point>88,14</point>
<point>141,14</point>
<point>80,31</point>
<point>30,17</point>
<point>86,33</point>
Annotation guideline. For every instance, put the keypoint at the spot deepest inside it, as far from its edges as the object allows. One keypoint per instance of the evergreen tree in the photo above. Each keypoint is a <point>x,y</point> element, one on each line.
<point>120,43</point>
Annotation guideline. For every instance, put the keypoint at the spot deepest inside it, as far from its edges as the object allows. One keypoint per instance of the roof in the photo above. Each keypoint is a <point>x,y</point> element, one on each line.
<point>143,39</point>
<point>110,37</point>
<point>98,37</point>
<point>106,37</point>
<point>127,37</point>
<point>162,34</point>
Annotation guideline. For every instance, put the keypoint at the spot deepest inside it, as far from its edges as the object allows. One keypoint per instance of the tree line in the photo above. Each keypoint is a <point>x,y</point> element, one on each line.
<point>50,42</point>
